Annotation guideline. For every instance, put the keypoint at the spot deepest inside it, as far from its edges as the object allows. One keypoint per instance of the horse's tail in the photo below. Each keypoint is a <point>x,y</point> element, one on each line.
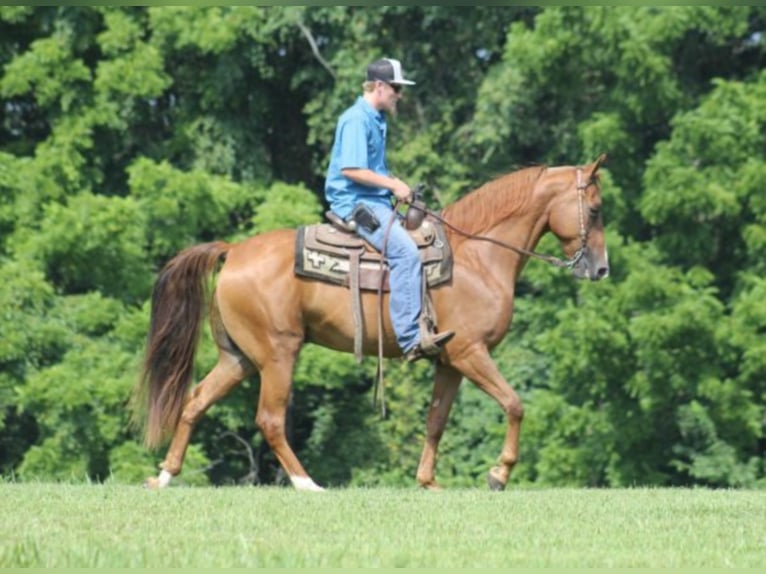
<point>179,299</point>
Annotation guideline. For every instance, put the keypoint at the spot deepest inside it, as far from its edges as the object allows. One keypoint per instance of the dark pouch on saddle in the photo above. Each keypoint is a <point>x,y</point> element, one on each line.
<point>364,217</point>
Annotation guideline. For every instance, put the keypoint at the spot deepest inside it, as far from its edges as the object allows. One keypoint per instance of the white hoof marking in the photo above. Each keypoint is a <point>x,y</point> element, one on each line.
<point>305,483</point>
<point>164,479</point>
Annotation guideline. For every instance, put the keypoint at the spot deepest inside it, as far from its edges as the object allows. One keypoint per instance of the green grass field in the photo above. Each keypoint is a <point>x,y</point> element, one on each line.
<point>54,525</point>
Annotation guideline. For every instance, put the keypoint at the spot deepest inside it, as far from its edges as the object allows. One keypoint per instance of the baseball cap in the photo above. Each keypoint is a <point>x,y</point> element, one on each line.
<point>387,70</point>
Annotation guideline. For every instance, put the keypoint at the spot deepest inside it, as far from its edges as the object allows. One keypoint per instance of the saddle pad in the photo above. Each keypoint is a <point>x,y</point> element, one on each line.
<point>323,252</point>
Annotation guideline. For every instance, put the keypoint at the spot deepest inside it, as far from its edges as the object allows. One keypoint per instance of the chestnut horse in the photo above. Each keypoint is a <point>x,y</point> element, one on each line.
<point>261,314</point>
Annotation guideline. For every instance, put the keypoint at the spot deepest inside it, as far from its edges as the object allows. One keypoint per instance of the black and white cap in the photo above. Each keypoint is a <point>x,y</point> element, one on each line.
<point>387,70</point>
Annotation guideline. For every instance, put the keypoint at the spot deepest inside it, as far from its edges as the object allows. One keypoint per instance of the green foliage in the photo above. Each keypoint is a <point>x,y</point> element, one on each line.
<point>130,133</point>
<point>49,69</point>
<point>286,205</point>
<point>700,183</point>
<point>705,457</point>
<point>29,341</point>
<point>94,243</point>
<point>130,463</point>
<point>180,207</point>
<point>83,419</point>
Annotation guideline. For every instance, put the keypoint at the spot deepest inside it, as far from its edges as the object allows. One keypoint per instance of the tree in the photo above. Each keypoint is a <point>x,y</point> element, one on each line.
<point>129,133</point>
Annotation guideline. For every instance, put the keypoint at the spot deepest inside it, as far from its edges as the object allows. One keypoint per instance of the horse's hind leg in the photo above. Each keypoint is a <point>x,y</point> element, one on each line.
<point>230,370</point>
<point>276,385</point>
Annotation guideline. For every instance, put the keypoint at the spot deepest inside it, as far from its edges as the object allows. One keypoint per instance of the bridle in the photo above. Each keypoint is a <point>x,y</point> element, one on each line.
<point>585,227</point>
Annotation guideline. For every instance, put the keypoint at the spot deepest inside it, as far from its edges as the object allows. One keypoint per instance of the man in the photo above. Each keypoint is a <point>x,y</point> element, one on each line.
<point>359,187</point>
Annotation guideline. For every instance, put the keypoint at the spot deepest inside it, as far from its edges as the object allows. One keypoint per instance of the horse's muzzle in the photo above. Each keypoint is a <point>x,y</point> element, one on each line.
<point>592,267</point>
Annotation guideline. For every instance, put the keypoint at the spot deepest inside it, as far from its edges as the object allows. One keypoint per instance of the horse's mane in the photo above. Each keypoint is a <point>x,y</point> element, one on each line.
<point>494,201</point>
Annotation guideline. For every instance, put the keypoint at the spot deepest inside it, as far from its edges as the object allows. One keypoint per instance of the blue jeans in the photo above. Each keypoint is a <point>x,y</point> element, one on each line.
<point>405,275</point>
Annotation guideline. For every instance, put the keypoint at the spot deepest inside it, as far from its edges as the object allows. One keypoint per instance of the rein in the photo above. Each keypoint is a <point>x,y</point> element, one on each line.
<point>552,259</point>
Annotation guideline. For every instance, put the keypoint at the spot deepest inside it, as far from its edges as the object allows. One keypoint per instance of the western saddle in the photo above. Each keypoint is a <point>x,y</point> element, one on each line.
<point>333,253</point>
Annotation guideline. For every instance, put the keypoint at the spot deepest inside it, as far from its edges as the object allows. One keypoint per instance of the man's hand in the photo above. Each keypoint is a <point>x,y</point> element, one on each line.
<point>401,190</point>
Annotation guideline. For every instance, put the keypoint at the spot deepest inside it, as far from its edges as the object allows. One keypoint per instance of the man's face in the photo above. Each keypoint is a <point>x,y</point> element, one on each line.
<point>390,95</point>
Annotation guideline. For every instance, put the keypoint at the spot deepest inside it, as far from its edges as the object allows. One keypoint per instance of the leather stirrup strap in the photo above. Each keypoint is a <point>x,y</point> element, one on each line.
<point>356,302</point>
<point>380,383</point>
<point>427,320</point>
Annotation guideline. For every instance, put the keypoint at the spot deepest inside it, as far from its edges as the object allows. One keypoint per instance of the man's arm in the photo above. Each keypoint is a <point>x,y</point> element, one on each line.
<point>368,177</point>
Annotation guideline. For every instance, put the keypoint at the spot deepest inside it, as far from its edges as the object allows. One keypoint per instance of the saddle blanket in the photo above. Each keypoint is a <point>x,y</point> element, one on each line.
<point>326,253</point>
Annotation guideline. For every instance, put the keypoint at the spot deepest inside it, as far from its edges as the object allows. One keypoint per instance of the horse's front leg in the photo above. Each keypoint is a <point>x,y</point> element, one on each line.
<point>479,367</point>
<point>446,384</point>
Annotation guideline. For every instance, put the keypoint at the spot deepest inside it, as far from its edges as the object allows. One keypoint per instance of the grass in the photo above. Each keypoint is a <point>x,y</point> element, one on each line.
<point>55,525</point>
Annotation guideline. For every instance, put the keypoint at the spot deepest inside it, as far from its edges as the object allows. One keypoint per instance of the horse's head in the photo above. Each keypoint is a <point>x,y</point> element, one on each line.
<point>575,218</point>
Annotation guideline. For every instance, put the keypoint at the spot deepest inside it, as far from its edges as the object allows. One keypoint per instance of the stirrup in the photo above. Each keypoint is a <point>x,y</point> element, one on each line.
<point>430,345</point>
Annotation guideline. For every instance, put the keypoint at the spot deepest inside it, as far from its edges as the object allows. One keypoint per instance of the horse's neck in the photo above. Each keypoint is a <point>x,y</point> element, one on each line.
<point>521,229</point>
<point>512,210</point>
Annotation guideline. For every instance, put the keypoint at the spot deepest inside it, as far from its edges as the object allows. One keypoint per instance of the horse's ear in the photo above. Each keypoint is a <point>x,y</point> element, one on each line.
<point>596,164</point>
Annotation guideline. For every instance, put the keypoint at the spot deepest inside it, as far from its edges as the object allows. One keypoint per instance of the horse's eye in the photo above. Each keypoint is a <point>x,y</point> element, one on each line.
<point>594,211</point>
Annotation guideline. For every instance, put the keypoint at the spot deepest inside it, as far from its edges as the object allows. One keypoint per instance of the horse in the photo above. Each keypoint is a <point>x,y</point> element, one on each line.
<point>261,313</point>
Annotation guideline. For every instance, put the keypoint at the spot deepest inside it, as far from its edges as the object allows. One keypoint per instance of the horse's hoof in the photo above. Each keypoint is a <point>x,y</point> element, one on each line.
<point>433,486</point>
<point>152,483</point>
<point>305,483</point>
<point>494,483</point>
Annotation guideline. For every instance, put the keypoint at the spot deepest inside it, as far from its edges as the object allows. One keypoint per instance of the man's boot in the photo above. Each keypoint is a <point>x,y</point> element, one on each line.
<point>430,345</point>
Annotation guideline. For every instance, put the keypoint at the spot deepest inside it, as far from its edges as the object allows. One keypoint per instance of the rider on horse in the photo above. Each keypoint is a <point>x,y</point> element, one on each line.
<point>360,188</point>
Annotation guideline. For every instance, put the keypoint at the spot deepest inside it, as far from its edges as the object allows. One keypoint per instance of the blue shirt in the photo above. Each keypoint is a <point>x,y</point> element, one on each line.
<point>360,142</point>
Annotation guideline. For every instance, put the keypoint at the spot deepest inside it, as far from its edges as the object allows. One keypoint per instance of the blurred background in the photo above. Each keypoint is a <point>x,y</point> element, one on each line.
<point>130,133</point>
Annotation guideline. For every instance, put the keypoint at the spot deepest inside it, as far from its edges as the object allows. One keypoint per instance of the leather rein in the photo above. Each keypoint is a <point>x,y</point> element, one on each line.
<point>552,259</point>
